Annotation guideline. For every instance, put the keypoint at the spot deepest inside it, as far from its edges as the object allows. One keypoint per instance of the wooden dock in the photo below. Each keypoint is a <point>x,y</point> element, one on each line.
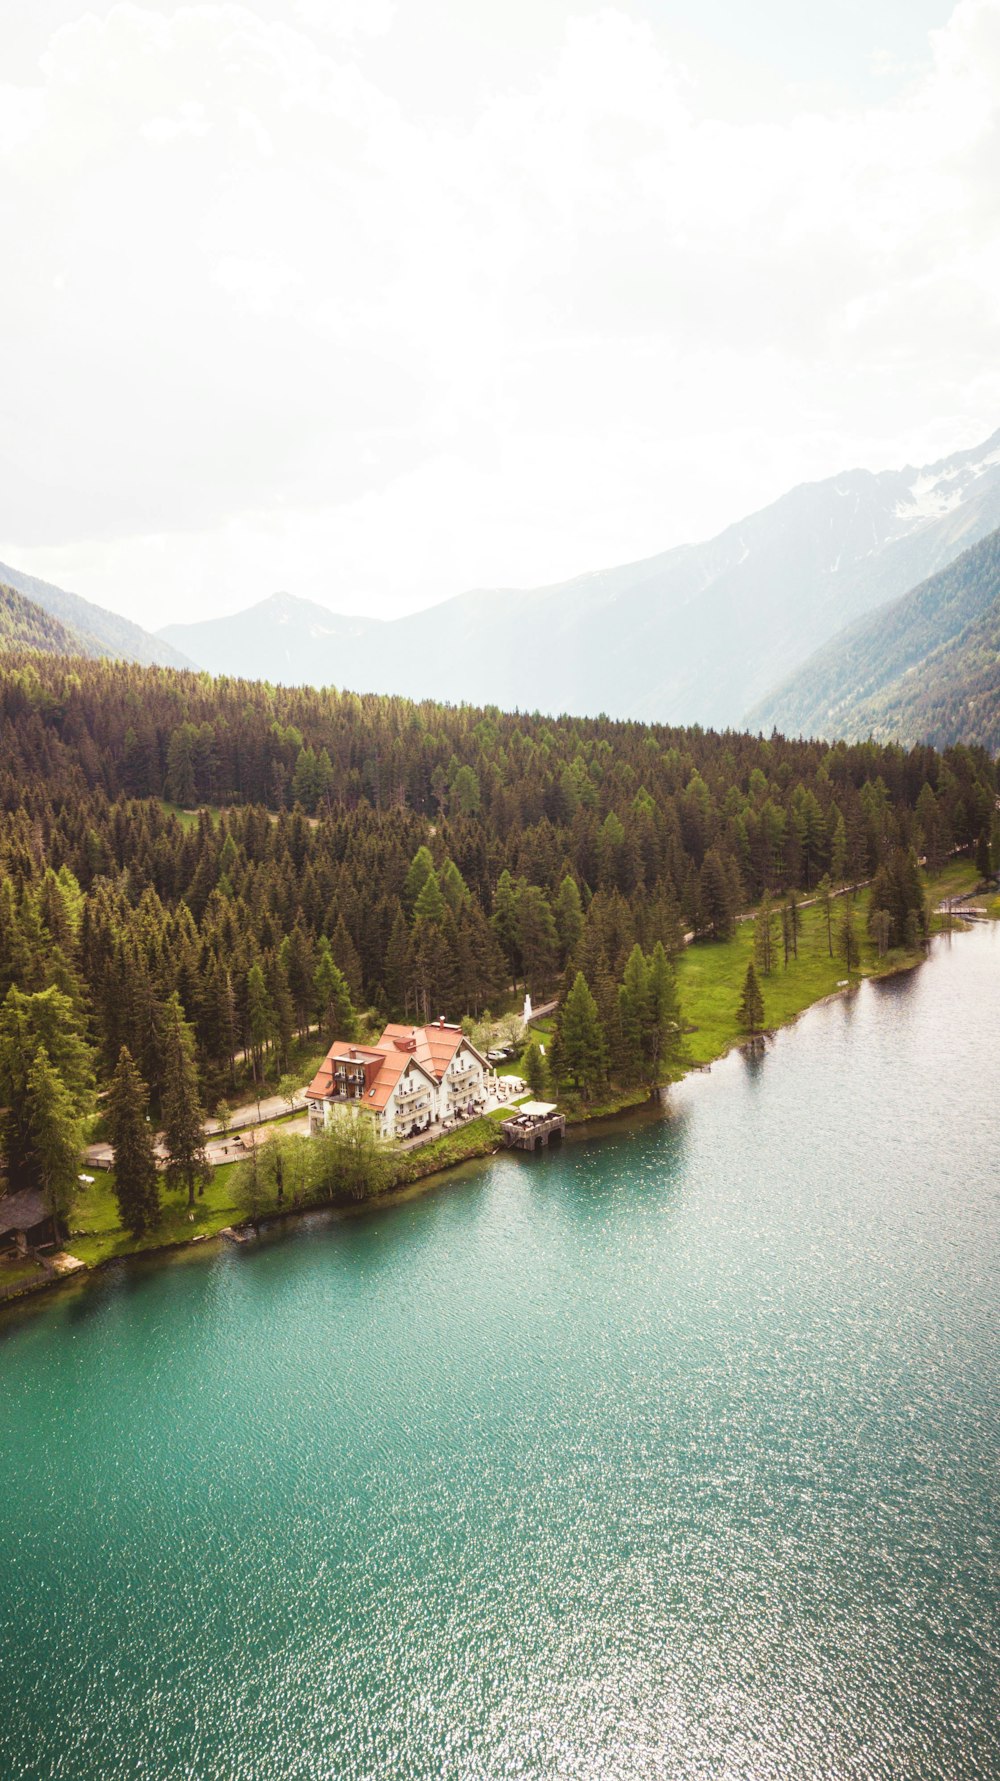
<point>533,1124</point>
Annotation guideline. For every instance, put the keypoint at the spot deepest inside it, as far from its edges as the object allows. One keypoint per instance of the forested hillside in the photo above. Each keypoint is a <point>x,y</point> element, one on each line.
<point>98,631</point>
<point>23,625</point>
<point>955,692</point>
<point>927,667</point>
<point>371,853</point>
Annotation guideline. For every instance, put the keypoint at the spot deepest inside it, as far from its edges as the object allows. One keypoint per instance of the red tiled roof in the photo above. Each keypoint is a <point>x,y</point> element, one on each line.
<point>433,1045</point>
<point>384,1065</point>
<point>342,1050</point>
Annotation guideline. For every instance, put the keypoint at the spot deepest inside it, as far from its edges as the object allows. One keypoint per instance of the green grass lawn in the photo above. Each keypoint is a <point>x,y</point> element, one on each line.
<point>96,1235</point>
<point>710,978</point>
<point>15,1273</point>
<point>478,1137</point>
<point>956,879</point>
<point>188,819</point>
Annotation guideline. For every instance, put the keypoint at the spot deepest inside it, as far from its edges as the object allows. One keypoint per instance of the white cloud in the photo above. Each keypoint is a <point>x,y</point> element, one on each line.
<point>269,325</point>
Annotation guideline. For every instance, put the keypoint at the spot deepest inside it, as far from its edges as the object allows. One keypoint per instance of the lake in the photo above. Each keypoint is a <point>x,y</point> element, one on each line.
<point>671,1453</point>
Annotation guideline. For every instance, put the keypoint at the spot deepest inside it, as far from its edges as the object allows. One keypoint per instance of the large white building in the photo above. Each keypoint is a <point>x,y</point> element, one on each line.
<point>412,1078</point>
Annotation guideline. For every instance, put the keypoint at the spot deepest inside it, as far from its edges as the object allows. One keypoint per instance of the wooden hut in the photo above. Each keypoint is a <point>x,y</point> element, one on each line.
<point>24,1222</point>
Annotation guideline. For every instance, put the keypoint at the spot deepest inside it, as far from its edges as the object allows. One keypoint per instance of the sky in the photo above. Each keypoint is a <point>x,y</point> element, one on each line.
<point>374,301</point>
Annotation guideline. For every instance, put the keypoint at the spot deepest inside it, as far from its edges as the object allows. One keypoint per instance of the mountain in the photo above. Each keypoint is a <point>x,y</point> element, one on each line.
<point>699,634</point>
<point>281,639</point>
<point>23,625</point>
<point>924,668</point>
<point>98,632</point>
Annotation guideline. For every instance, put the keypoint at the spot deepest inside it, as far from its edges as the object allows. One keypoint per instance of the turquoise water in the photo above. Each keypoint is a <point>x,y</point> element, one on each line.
<point>671,1454</point>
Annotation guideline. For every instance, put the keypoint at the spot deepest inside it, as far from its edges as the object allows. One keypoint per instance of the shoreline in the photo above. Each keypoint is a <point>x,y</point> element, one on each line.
<point>652,1102</point>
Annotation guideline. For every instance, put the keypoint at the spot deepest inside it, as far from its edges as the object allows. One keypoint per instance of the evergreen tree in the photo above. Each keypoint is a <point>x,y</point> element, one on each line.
<point>183,1119</point>
<point>847,936</point>
<point>824,896</point>
<point>750,1012</point>
<point>398,969</point>
<point>332,998</point>
<point>29,1024</point>
<point>634,1017</point>
<point>346,956</point>
<point>664,1041</point>
<point>504,922</point>
<point>763,935</point>
<point>537,942</point>
<point>533,1069</point>
<point>430,904</point>
<point>454,889</point>
<point>421,867</point>
<point>137,1185</point>
<point>716,897</point>
<point>56,1137</point>
<point>568,913</point>
<point>261,1020</point>
<point>583,1056</point>
<point>838,850</point>
<point>794,922</point>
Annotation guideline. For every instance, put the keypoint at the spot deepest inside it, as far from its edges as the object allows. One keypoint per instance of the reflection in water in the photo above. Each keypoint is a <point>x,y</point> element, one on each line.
<point>668,1454</point>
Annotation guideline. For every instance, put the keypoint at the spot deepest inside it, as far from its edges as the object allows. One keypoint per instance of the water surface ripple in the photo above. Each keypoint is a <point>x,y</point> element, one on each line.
<point>669,1455</point>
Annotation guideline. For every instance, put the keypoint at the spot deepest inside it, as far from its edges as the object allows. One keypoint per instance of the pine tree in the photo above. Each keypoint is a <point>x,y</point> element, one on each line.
<point>537,941</point>
<point>634,1017</point>
<point>430,904</point>
<point>29,1024</point>
<point>750,1012</point>
<point>397,970</point>
<point>137,1184</point>
<point>824,896</point>
<point>568,913</point>
<point>56,1137</point>
<point>533,1069</point>
<point>583,1053</point>
<point>454,889</point>
<point>763,935</point>
<point>332,997</point>
<point>260,1019</point>
<point>183,1119</point>
<point>847,937</point>
<point>716,897</point>
<point>421,867</point>
<point>504,921</point>
<point>346,957</point>
<point>664,1010</point>
<point>838,850</point>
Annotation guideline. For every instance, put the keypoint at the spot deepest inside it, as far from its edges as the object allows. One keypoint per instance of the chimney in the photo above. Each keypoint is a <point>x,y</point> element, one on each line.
<point>440,1020</point>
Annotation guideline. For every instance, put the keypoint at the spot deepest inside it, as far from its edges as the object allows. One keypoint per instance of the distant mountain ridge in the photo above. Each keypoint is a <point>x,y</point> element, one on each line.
<point>924,668</point>
<point>97,631</point>
<point>698,634</point>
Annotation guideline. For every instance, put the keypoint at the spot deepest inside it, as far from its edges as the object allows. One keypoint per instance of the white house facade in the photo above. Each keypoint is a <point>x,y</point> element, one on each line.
<point>413,1078</point>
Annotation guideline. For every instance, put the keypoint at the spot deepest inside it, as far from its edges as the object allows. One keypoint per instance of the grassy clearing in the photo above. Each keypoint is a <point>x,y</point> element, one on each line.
<point>480,1137</point>
<point>96,1236</point>
<point>957,879</point>
<point>710,979</point>
<point>15,1274</point>
<point>188,819</point>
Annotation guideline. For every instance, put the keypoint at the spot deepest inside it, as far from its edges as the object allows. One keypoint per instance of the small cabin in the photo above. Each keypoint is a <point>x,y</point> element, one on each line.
<point>25,1223</point>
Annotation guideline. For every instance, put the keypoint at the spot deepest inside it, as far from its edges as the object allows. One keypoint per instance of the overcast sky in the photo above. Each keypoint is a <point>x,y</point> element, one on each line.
<point>375,302</point>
